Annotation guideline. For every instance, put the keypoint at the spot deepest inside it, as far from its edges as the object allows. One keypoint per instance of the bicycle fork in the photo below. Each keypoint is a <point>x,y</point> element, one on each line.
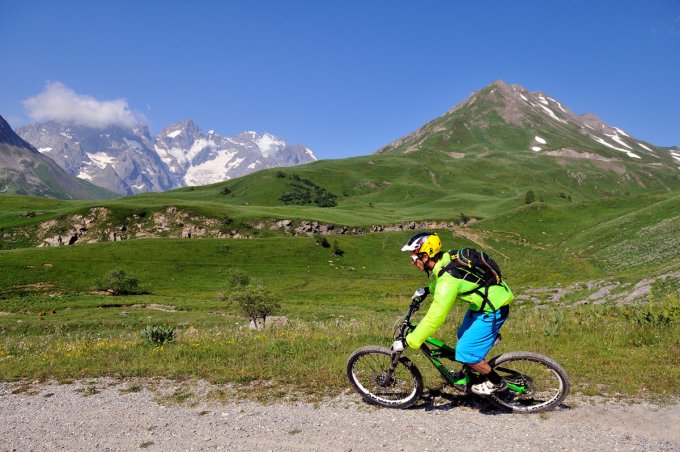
<point>387,376</point>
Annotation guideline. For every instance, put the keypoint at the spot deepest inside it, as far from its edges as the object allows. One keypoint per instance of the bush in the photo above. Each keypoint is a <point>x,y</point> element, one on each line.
<point>237,278</point>
<point>336,249</point>
<point>320,239</point>
<point>307,192</point>
<point>158,335</point>
<point>117,282</point>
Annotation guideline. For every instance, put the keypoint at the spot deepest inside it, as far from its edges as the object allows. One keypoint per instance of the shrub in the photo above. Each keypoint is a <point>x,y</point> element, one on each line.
<point>117,282</point>
<point>320,239</point>
<point>336,249</point>
<point>157,334</point>
<point>530,197</point>
<point>307,192</point>
<point>237,278</point>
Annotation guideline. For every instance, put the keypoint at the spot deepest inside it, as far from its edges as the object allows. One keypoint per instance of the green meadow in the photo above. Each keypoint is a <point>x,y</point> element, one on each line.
<point>574,257</point>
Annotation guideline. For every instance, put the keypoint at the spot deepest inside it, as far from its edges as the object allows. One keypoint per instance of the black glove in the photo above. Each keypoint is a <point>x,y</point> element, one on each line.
<point>420,294</point>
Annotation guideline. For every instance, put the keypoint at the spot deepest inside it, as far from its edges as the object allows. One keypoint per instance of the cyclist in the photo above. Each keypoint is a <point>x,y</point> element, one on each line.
<point>482,321</point>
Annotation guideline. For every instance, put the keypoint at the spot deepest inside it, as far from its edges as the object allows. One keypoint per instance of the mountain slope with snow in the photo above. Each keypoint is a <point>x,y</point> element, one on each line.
<point>130,161</point>
<point>199,158</point>
<point>504,117</point>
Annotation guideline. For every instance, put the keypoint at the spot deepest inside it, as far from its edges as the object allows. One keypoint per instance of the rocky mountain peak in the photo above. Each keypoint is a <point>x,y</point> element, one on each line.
<point>9,136</point>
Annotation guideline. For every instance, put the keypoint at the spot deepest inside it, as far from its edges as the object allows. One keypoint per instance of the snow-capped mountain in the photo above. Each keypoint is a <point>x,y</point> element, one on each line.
<point>129,161</point>
<point>199,158</point>
<point>121,160</point>
<point>25,171</point>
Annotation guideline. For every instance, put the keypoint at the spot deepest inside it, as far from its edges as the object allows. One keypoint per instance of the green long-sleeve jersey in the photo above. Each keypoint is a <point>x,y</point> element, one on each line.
<point>446,290</point>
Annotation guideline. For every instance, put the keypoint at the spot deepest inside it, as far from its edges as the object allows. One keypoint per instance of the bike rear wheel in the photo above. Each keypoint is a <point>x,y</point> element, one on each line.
<point>367,371</point>
<point>536,383</point>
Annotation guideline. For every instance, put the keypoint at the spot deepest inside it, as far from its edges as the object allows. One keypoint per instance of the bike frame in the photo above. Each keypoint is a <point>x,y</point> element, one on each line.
<point>438,351</point>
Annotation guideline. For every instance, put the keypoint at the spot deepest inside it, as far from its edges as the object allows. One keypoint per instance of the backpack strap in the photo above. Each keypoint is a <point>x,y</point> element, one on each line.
<point>461,267</point>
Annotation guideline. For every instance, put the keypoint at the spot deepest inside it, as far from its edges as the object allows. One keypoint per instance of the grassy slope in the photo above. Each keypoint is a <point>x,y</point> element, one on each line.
<point>384,189</point>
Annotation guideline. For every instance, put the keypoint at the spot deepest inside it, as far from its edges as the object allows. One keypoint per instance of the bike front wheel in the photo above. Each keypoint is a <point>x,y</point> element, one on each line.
<point>367,370</point>
<point>536,383</point>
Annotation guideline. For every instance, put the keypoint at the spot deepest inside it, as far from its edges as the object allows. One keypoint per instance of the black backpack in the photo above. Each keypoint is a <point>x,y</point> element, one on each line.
<point>476,267</point>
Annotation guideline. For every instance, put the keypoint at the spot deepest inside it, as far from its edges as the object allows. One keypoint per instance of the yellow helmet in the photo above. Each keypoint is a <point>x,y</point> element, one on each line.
<point>424,242</point>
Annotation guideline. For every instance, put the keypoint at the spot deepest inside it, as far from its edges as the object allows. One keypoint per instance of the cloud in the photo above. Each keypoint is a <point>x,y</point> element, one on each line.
<point>58,102</point>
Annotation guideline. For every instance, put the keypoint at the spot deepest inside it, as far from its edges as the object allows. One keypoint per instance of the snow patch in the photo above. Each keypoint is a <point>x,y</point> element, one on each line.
<point>310,154</point>
<point>609,145</point>
<point>101,159</point>
<point>621,132</point>
<point>645,147</point>
<point>254,164</point>
<point>84,175</point>
<point>43,150</point>
<point>173,157</point>
<point>552,114</point>
<point>535,148</point>
<point>174,134</point>
<point>539,139</point>
<point>213,170</point>
<point>66,135</point>
<point>269,144</point>
<point>618,139</point>
<point>196,148</point>
<point>524,97</point>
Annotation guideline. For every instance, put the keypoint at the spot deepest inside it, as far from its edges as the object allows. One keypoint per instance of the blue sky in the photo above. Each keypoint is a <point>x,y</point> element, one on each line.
<point>342,77</point>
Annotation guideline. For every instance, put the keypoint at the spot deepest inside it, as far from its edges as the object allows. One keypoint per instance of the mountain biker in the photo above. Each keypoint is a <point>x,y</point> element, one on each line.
<point>482,321</point>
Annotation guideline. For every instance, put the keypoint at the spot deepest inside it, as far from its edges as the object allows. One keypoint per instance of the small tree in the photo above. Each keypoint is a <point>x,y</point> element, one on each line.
<point>530,197</point>
<point>117,282</point>
<point>464,219</point>
<point>255,302</point>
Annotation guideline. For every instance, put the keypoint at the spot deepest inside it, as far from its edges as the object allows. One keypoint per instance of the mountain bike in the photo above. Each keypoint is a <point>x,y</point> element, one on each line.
<point>535,383</point>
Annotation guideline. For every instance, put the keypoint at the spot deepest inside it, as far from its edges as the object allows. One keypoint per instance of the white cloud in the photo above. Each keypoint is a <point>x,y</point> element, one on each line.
<point>60,103</point>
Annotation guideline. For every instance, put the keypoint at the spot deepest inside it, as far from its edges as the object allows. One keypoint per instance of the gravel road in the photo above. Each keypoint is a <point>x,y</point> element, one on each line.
<point>106,414</point>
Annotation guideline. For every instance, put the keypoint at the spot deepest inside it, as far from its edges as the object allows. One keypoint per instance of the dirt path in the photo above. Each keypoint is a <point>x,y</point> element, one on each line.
<point>110,415</point>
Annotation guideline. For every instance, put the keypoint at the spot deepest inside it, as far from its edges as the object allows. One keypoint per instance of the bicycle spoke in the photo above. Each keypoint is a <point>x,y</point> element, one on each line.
<point>532,384</point>
<point>369,372</point>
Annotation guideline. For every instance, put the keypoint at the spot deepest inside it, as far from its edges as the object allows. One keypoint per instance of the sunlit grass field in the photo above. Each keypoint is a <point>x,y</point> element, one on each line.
<point>53,325</point>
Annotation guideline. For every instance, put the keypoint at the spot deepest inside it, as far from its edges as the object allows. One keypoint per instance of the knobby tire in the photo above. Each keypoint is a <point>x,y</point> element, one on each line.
<point>546,382</point>
<point>366,370</point>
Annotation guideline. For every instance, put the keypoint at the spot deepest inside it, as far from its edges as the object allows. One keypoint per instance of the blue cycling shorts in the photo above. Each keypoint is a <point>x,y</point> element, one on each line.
<point>477,334</point>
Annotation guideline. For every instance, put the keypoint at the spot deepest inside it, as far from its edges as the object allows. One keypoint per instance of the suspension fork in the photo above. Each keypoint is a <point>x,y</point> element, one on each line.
<point>393,366</point>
